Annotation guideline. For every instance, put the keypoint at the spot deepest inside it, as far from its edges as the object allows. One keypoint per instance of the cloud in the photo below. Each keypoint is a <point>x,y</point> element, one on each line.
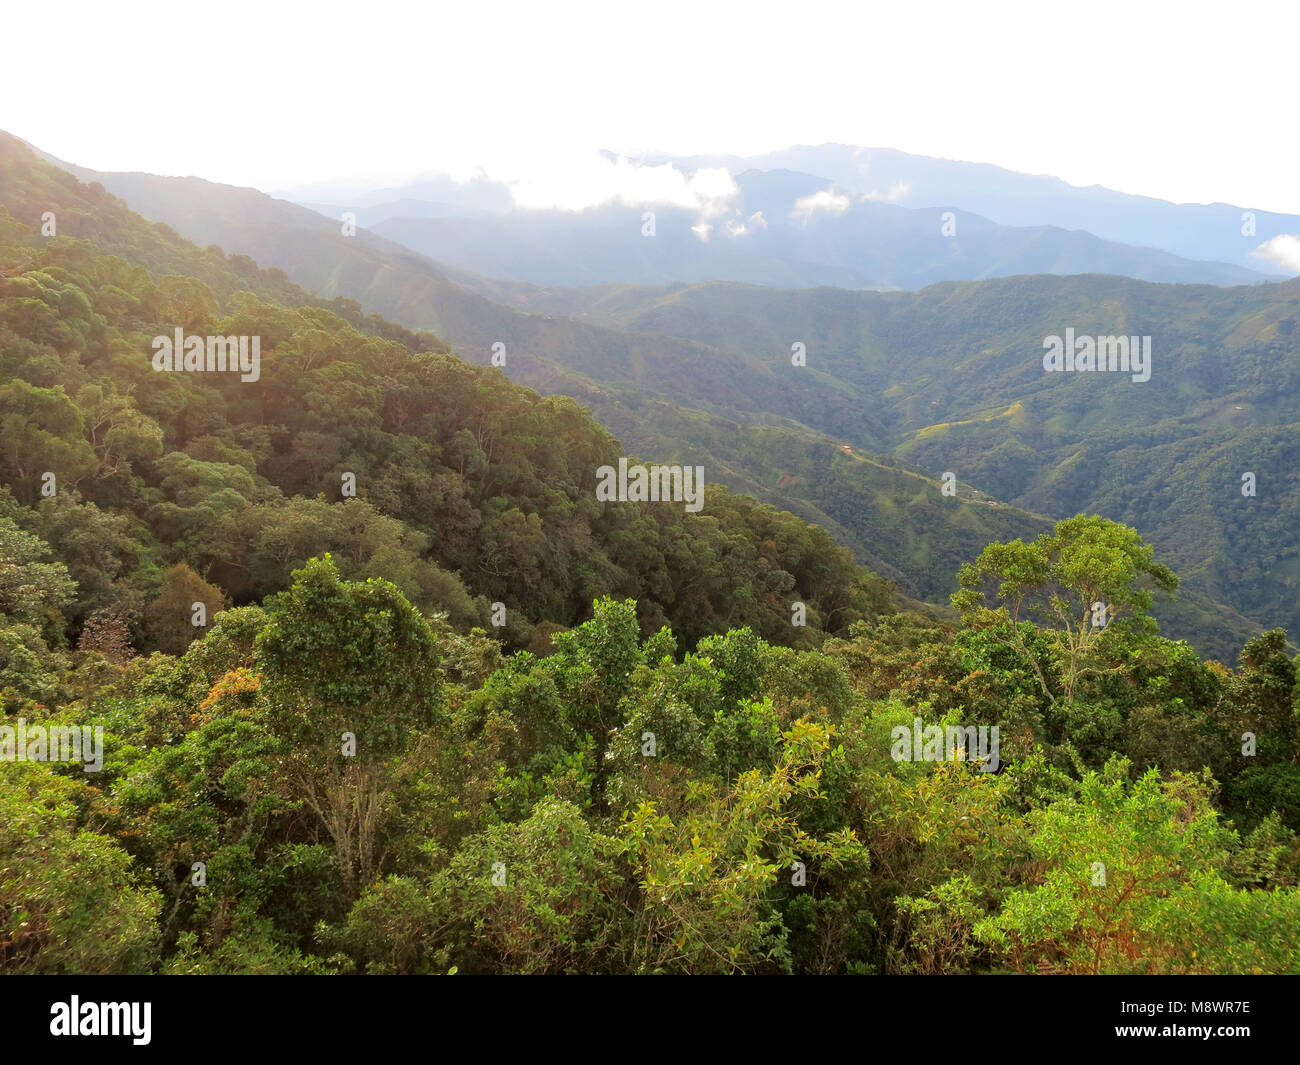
<point>897,194</point>
<point>594,180</point>
<point>826,199</point>
<point>1282,250</point>
<point>702,230</point>
<point>737,227</point>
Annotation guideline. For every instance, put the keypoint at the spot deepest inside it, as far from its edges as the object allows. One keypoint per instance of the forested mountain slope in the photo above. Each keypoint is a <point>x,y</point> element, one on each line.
<point>621,376</point>
<point>948,379</point>
<point>956,382</point>
<point>468,489</point>
<point>309,748</point>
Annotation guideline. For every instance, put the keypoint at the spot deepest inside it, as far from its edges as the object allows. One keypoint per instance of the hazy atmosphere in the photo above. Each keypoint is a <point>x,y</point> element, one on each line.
<point>677,489</point>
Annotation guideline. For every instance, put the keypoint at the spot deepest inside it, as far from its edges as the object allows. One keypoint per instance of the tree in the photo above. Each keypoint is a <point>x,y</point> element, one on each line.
<point>1128,881</point>
<point>32,591</point>
<point>33,594</point>
<point>536,896</point>
<point>1087,582</point>
<point>106,633</point>
<point>41,432</point>
<point>351,673</point>
<point>710,881</point>
<point>69,902</point>
<point>170,620</point>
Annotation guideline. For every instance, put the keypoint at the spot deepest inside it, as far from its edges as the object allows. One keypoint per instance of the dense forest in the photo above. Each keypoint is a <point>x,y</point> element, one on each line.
<point>384,687</point>
<point>948,378</point>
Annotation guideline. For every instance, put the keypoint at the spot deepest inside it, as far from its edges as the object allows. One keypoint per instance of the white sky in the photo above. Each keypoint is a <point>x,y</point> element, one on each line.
<point>1188,101</point>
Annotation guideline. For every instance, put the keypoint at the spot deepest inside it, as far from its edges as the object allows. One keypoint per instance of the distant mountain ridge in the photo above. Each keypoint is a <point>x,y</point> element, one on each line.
<point>1212,232</point>
<point>1212,235</point>
<point>912,383</point>
<point>783,229</point>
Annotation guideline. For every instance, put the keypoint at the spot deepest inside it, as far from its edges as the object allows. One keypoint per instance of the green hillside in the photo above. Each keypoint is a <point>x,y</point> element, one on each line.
<point>475,719</point>
<point>948,379</point>
<point>469,490</point>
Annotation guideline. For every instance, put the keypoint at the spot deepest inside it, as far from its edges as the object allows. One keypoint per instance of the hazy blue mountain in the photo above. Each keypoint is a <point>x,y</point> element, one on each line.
<point>1194,231</point>
<point>370,215</point>
<point>784,229</point>
<point>477,195</point>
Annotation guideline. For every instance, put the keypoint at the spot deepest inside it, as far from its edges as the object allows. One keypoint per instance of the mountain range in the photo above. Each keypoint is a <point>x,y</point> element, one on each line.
<point>898,388</point>
<point>835,214</point>
<point>1218,232</point>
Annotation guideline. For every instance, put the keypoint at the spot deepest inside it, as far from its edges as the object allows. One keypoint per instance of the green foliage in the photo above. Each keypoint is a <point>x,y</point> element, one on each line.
<point>70,901</point>
<point>469,490</point>
<point>710,877</point>
<point>648,768</point>
<point>1123,868</point>
<point>342,653</point>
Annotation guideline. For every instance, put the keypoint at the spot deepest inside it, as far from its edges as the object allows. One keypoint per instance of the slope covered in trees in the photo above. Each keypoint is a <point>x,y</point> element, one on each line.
<point>463,488</point>
<point>870,506</point>
<point>948,379</point>
<point>953,377</point>
<point>651,767</point>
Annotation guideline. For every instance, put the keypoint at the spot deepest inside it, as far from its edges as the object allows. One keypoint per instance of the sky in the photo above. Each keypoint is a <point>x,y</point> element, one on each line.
<point>1186,101</point>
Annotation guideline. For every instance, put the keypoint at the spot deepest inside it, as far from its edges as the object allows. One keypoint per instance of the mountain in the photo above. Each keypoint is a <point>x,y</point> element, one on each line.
<point>369,216</point>
<point>398,459</point>
<point>89,212</point>
<point>953,379</point>
<point>948,379</point>
<point>1215,232</point>
<point>343,664</point>
<point>783,229</point>
<point>476,195</point>
<point>779,460</point>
